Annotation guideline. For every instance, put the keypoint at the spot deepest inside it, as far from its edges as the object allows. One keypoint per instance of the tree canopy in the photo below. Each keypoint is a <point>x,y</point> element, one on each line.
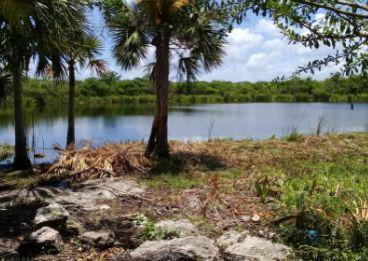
<point>339,24</point>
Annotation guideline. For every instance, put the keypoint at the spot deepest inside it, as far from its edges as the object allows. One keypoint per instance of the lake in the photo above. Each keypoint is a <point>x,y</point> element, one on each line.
<point>188,123</point>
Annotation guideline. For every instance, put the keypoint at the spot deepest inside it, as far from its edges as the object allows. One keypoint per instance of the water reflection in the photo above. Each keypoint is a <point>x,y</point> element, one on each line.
<point>194,122</point>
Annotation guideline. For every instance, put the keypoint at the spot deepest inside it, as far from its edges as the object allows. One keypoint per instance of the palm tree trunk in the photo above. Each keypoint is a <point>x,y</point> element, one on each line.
<point>70,139</point>
<point>158,141</point>
<point>21,159</point>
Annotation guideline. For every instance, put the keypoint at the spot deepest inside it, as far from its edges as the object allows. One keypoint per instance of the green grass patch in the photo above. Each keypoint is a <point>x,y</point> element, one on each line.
<point>325,197</point>
<point>173,181</point>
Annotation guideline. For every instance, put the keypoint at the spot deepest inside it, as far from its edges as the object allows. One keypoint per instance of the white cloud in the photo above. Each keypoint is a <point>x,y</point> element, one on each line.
<point>267,27</point>
<point>261,53</point>
<point>258,52</point>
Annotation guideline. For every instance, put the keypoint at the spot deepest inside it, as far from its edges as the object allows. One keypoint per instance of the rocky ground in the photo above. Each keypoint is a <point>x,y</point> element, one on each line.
<point>215,200</point>
<point>108,219</point>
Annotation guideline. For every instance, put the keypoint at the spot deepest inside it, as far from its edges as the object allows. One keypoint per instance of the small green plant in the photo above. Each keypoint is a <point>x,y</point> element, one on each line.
<point>294,136</point>
<point>262,188</point>
<point>151,232</point>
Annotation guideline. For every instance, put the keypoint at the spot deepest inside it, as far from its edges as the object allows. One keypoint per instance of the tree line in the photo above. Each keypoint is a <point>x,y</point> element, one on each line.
<point>55,34</point>
<point>109,90</point>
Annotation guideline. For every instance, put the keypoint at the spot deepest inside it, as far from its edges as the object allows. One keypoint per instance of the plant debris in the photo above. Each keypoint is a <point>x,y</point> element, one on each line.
<point>107,161</point>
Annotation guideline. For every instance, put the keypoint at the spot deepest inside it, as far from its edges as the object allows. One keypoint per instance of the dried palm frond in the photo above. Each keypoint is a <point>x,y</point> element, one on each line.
<point>106,161</point>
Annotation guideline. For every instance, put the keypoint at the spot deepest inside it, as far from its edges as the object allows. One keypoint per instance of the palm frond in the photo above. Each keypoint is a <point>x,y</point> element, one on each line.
<point>5,87</point>
<point>98,65</point>
<point>128,30</point>
<point>188,67</point>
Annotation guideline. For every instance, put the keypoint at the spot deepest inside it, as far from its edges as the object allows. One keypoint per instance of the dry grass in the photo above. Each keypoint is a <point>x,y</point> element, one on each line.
<point>5,151</point>
<point>106,161</point>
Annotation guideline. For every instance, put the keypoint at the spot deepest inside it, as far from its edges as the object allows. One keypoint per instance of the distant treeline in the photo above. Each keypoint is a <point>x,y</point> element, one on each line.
<point>110,90</point>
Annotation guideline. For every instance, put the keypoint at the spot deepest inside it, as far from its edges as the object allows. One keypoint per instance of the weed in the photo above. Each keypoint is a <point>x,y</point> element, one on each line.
<point>294,136</point>
<point>262,188</point>
<point>151,232</point>
<point>322,120</point>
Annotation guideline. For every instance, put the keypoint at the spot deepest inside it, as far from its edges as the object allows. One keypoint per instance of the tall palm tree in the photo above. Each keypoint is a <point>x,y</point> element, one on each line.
<point>181,27</point>
<point>27,29</point>
<point>83,54</point>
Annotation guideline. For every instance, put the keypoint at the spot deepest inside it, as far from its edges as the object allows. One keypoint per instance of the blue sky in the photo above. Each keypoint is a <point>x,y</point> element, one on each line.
<point>256,51</point>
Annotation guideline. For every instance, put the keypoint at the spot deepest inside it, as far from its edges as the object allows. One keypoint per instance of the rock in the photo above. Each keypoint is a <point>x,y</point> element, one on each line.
<point>86,195</point>
<point>246,219</point>
<point>124,186</point>
<point>183,226</point>
<point>231,237</point>
<point>98,239</point>
<point>53,215</point>
<point>256,218</point>
<point>45,240</point>
<point>254,248</point>
<point>185,248</point>
<point>89,193</point>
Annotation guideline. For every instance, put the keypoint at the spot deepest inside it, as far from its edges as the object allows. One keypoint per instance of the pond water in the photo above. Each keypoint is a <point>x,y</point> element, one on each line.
<point>189,122</point>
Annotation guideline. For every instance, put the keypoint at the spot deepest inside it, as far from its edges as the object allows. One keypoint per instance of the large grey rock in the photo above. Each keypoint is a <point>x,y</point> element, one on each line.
<point>198,248</point>
<point>183,226</point>
<point>248,248</point>
<point>98,239</point>
<point>230,238</point>
<point>45,240</point>
<point>87,195</point>
<point>53,215</point>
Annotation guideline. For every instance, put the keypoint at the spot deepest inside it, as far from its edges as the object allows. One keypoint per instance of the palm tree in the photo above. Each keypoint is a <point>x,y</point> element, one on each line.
<point>83,54</point>
<point>27,29</point>
<point>181,27</point>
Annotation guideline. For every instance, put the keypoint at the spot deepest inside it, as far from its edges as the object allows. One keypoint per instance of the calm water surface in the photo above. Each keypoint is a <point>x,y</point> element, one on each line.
<point>192,122</point>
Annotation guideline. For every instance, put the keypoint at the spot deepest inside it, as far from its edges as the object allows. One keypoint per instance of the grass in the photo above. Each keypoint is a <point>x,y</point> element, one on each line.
<point>6,150</point>
<point>313,189</point>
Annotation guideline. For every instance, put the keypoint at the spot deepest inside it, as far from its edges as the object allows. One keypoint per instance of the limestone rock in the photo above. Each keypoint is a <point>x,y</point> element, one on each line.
<point>124,186</point>
<point>183,226</point>
<point>245,218</point>
<point>99,239</point>
<point>53,215</point>
<point>45,240</point>
<point>86,195</point>
<point>256,218</point>
<point>253,248</point>
<point>231,237</point>
<point>186,248</point>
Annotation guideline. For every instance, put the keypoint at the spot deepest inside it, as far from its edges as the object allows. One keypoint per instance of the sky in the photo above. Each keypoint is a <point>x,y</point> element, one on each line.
<point>256,51</point>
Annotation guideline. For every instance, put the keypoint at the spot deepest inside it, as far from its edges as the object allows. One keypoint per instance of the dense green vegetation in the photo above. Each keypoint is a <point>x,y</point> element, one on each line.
<point>110,90</point>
